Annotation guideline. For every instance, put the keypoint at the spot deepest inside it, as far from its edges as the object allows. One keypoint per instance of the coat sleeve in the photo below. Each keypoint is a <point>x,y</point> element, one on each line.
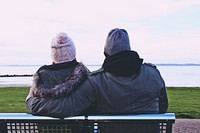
<point>163,98</point>
<point>163,101</point>
<point>70,105</point>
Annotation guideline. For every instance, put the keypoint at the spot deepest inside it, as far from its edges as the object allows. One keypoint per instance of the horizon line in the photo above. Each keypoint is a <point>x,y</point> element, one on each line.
<point>159,64</point>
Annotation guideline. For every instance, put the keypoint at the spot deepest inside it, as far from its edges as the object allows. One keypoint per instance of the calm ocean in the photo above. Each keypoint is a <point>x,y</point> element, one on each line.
<point>174,75</point>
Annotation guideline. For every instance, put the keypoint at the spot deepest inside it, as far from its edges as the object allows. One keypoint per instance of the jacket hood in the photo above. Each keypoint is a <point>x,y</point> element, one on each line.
<point>124,63</point>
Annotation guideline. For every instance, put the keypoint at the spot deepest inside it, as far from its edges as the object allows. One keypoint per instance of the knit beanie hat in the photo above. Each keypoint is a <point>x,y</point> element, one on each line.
<point>117,41</point>
<point>62,48</point>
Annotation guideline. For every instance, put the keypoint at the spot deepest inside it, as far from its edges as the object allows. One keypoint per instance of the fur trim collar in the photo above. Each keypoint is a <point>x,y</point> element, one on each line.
<point>78,76</point>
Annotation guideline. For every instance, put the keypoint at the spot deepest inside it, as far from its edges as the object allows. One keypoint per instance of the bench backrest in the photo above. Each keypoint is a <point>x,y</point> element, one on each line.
<point>137,123</point>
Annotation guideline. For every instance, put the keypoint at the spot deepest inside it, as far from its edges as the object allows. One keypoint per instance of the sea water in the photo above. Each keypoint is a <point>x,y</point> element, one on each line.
<point>174,75</point>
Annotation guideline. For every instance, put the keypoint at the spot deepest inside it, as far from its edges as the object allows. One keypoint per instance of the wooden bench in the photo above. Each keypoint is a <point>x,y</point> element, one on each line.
<point>137,123</point>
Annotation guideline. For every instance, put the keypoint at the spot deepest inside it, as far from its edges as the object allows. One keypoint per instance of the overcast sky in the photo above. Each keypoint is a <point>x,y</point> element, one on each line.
<point>161,31</point>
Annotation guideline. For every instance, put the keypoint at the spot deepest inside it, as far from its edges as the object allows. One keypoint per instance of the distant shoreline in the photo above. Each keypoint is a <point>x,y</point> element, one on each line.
<point>187,64</point>
<point>157,64</point>
<point>30,75</point>
<point>16,75</point>
<point>174,74</point>
<point>14,85</point>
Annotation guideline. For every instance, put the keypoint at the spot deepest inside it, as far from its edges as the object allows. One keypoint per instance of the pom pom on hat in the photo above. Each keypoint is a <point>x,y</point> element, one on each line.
<point>62,48</point>
<point>117,41</point>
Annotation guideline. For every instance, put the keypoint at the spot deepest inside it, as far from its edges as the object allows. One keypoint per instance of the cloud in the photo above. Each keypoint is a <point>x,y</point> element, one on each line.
<point>27,27</point>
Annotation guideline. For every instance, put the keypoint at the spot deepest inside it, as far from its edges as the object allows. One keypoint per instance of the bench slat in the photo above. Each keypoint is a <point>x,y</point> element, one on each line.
<point>137,123</point>
<point>18,116</point>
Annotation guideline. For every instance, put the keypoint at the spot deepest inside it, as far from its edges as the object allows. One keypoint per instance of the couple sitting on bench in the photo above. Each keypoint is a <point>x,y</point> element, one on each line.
<point>123,85</point>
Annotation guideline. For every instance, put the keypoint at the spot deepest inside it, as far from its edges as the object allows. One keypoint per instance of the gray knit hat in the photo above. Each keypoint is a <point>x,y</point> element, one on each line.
<point>117,41</point>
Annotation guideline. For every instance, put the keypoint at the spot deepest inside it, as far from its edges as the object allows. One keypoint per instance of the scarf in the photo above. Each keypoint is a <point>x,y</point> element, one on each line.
<point>125,63</point>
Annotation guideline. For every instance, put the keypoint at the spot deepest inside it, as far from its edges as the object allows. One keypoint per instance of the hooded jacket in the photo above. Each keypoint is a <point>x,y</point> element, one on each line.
<point>124,85</point>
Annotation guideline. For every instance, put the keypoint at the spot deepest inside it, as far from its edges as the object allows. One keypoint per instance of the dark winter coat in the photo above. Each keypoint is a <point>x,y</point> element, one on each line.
<point>124,85</point>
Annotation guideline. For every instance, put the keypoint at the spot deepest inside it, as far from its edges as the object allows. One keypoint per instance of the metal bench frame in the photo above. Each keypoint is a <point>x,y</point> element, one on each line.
<point>137,123</point>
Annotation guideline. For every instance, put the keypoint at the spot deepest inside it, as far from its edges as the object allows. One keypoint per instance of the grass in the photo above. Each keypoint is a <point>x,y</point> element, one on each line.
<point>183,101</point>
<point>12,99</point>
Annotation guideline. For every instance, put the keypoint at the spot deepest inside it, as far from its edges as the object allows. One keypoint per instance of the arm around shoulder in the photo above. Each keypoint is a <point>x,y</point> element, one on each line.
<point>73,104</point>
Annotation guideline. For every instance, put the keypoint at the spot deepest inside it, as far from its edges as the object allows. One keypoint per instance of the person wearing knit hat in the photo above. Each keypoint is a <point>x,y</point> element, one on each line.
<point>120,59</point>
<point>123,85</point>
<point>64,75</point>
<point>117,41</point>
<point>62,48</point>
